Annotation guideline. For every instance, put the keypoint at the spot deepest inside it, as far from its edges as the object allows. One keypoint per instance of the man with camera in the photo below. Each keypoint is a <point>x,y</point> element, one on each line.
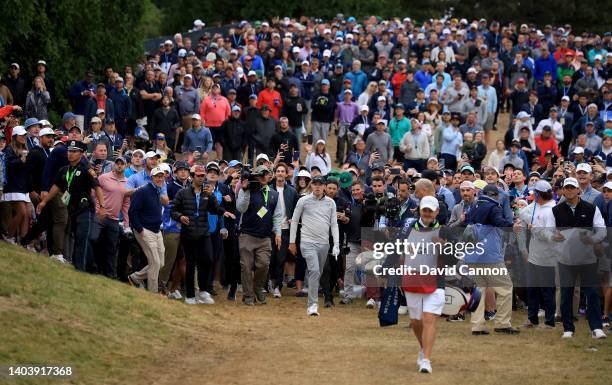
<point>261,216</point>
<point>317,214</point>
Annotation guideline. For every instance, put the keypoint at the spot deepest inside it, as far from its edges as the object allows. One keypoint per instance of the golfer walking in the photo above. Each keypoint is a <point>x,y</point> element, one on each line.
<point>317,214</point>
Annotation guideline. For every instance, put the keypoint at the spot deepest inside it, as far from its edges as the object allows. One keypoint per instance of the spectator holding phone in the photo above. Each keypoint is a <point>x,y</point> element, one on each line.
<point>198,139</point>
<point>283,142</point>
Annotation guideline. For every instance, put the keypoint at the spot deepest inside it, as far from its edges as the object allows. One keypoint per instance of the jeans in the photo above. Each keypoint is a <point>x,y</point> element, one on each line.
<point>297,132</point>
<point>107,232</point>
<point>216,244</point>
<point>589,288</point>
<point>320,130</point>
<point>279,257</point>
<point>198,253</point>
<point>82,256</point>
<point>417,164</point>
<point>315,255</point>
<point>541,293</point>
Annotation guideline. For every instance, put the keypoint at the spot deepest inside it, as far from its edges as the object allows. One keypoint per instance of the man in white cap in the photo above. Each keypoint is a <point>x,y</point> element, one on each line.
<point>583,228</point>
<point>144,176</point>
<point>584,175</point>
<point>424,293</point>
<point>538,219</point>
<point>145,214</point>
<point>468,200</point>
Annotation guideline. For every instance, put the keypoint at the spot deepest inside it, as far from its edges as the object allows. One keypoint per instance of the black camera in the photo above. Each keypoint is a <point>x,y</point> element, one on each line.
<point>251,177</point>
<point>392,208</point>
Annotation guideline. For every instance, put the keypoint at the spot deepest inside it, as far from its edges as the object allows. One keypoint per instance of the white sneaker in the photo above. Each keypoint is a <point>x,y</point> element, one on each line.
<point>191,301</point>
<point>205,298</point>
<point>58,258</point>
<point>277,293</point>
<point>175,295</point>
<point>12,240</point>
<point>598,334</point>
<point>239,288</point>
<point>541,313</point>
<point>402,310</point>
<point>425,366</point>
<point>341,293</point>
<point>567,335</point>
<point>31,248</point>
<point>304,290</point>
<point>421,357</point>
<point>313,310</point>
<point>371,303</point>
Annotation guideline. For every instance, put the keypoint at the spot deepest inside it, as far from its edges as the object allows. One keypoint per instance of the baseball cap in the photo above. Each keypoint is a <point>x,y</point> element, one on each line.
<point>467,167</point>
<point>480,184</point>
<point>570,182</point>
<point>522,115</point>
<point>429,202</point>
<point>181,165</point>
<point>325,82</point>
<point>68,115</point>
<point>236,108</point>
<point>542,186</point>
<point>95,119</point>
<point>234,163</point>
<point>584,167</point>
<point>160,135</point>
<point>76,145</point>
<point>364,108</point>
<point>46,131</point>
<point>151,154</point>
<point>490,189</point>
<point>608,185</point>
<point>252,73</point>
<point>318,179</point>
<point>156,171</point>
<point>19,130</point>
<point>120,159</point>
<point>566,98</point>
<point>467,184</point>
<point>141,152</point>
<point>262,156</point>
<point>579,150</point>
<point>196,116</point>
<point>213,166</point>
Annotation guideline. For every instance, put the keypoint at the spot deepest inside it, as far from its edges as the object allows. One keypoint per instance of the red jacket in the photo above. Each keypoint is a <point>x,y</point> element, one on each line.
<point>396,82</point>
<point>544,145</point>
<point>214,110</point>
<point>273,99</point>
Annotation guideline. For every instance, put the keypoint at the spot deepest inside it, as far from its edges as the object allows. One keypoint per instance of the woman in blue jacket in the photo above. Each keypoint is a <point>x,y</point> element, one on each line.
<point>16,190</point>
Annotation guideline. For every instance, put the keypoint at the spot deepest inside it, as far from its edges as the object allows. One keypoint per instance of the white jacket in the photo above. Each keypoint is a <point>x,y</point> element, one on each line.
<point>542,248</point>
<point>322,161</point>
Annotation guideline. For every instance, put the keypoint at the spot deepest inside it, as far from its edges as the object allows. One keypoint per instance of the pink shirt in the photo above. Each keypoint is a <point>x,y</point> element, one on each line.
<point>214,110</point>
<point>115,201</point>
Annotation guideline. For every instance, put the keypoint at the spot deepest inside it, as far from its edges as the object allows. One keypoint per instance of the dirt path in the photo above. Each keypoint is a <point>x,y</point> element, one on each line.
<point>278,343</point>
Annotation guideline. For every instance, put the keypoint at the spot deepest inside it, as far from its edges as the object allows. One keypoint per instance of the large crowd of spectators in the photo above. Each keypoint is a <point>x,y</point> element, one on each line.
<point>213,158</point>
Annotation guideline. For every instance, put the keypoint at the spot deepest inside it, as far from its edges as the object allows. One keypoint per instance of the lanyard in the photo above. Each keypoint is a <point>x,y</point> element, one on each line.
<point>265,191</point>
<point>69,177</point>
<point>197,213</point>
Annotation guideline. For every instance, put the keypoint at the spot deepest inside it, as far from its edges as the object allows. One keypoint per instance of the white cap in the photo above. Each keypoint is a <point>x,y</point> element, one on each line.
<point>151,154</point>
<point>140,151</point>
<point>472,70</point>
<point>597,57</point>
<point>198,23</point>
<point>326,53</point>
<point>403,61</point>
<point>46,131</point>
<point>305,62</point>
<point>95,119</point>
<point>326,31</point>
<point>446,31</point>
<point>165,167</point>
<point>196,116</point>
<point>262,156</point>
<point>570,182</point>
<point>19,130</point>
<point>252,73</point>
<point>100,111</point>
<point>305,174</point>
<point>381,99</point>
<point>608,185</point>
<point>522,115</point>
<point>349,36</point>
<point>233,51</point>
<point>265,24</point>
<point>320,141</point>
<point>579,150</point>
<point>364,108</point>
<point>157,170</point>
<point>45,123</point>
<point>15,65</point>
<point>566,98</point>
<point>429,202</point>
<point>421,36</point>
<point>467,184</point>
<point>168,42</point>
<point>584,167</point>
<point>182,52</point>
<point>542,185</point>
